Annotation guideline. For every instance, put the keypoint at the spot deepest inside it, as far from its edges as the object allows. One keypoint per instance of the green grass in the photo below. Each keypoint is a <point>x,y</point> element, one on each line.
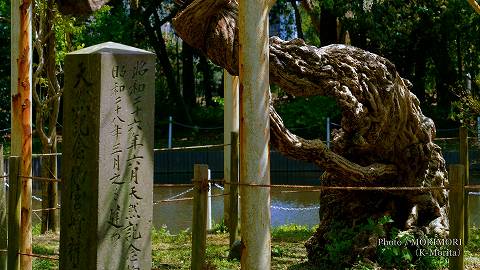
<point>173,251</point>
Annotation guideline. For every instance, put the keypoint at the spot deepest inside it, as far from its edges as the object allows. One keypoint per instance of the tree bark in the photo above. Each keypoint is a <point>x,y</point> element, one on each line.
<point>384,139</point>
<point>188,76</point>
<point>207,81</point>
<point>156,36</point>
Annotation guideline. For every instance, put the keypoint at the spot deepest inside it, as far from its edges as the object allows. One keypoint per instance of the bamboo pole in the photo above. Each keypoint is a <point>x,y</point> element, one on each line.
<point>233,225</point>
<point>464,160</point>
<point>254,134</point>
<point>21,113</point>
<point>199,221</point>
<point>456,177</point>
<point>230,124</point>
<point>14,213</point>
<point>3,215</point>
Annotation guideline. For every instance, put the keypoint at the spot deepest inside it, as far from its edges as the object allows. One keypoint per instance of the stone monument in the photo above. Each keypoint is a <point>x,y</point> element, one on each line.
<point>107,166</point>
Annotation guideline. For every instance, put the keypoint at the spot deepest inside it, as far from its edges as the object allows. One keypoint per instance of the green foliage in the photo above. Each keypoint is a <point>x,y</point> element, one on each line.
<point>219,228</point>
<point>396,255</point>
<point>307,116</point>
<point>466,109</point>
<point>4,66</point>
<point>277,251</point>
<point>292,232</point>
<point>44,264</point>
<point>473,244</point>
<point>401,255</point>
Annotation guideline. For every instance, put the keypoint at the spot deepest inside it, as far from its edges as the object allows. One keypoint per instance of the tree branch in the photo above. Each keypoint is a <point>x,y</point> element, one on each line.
<point>474,5</point>
<point>314,150</point>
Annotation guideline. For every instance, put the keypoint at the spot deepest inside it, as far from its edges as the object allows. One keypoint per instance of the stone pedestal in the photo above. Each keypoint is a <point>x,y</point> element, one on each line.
<point>107,166</point>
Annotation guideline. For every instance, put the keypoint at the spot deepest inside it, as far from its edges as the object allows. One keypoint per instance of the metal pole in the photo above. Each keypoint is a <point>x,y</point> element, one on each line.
<point>230,124</point>
<point>3,215</point>
<point>328,132</point>
<point>478,128</point>
<point>254,134</point>
<point>170,122</point>
<point>464,160</point>
<point>21,113</point>
<point>209,202</point>
<point>233,225</point>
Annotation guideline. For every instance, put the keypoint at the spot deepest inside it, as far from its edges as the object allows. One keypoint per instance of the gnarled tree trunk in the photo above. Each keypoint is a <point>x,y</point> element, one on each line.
<point>384,139</point>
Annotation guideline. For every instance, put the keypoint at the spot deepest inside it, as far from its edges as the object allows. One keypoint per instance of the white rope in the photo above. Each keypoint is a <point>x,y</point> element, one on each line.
<point>295,208</point>
<point>218,186</point>
<point>474,193</point>
<point>180,194</point>
<point>37,198</point>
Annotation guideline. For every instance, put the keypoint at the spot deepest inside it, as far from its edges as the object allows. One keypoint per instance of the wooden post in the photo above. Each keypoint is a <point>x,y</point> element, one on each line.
<point>21,112</point>
<point>456,178</point>
<point>3,215</point>
<point>233,225</point>
<point>254,134</point>
<point>199,221</point>
<point>14,213</point>
<point>464,160</point>
<point>48,169</point>
<point>230,124</point>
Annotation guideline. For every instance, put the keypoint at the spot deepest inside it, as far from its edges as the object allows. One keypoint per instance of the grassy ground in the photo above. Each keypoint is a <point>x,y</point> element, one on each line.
<point>173,251</point>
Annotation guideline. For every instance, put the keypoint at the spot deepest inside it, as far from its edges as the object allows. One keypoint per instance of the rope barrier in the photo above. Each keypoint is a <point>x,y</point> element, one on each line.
<point>218,186</point>
<point>174,200</point>
<point>46,155</point>
<point>37,198</point>
<point>447,129</point>
<point>446,139</point>
<point>46,209</point>
<point>38,256</point>
<point>46,179</point>
<point>320,188</point>
<point>295,208</point>
<point>173,185</point>
<point>180,194</point>
<point>219,195</point>
<point>472,187</point>
<point>191,147</point>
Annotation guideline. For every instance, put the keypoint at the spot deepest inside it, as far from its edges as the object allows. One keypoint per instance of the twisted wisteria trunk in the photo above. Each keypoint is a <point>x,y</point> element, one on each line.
<point>384,139</point>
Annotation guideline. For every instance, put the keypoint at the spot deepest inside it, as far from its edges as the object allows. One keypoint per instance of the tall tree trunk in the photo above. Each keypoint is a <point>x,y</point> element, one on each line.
<point>158,42</point>
<point>446,75</point>
<point>313,14</point>
<point>298,19</point>
<point>207,80</point>
<point>384,139</point>
<point>328,27</point>
<point>188,76</point>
